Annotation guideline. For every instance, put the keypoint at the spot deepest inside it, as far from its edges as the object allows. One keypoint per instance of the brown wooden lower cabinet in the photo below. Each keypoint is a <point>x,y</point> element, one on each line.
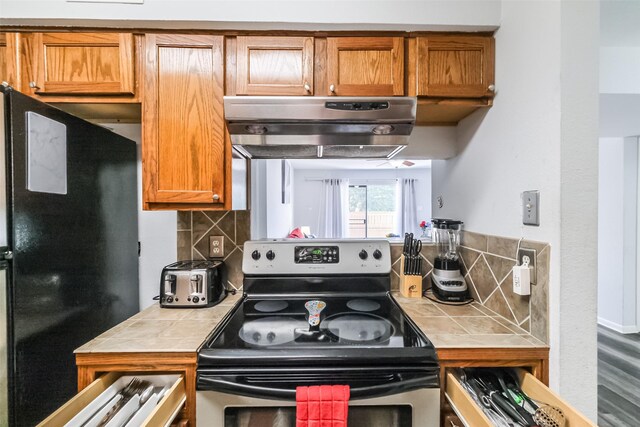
<point>92,366</point>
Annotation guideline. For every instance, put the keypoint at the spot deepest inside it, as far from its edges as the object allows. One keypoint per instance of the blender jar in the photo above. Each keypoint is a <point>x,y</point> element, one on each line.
<point>447,237</point>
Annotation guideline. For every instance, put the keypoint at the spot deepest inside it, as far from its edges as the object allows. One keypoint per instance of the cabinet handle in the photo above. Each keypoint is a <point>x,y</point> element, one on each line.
<point>34,85</point>
<point>216,197</point>
<point>491,88</point>
<point>307,87</point>
<point>332,89</point>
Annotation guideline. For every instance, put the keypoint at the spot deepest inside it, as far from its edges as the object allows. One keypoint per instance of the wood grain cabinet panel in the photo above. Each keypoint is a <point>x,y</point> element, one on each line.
<point>365,66</point>
<point>184,147</point>
<point>80,64</point>
<point>274,66</point>
<point>8,58</point>
<point>455,66</point>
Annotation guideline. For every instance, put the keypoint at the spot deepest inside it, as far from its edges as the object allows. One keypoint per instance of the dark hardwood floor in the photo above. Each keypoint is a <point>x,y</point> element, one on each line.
<point>618,379</point>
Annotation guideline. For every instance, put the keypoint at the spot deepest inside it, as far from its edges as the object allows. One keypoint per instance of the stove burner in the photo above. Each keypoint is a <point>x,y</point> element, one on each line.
<point>268,331</point>
<point>271,306</point>
<point>363,305</point>
<point>358,327</point>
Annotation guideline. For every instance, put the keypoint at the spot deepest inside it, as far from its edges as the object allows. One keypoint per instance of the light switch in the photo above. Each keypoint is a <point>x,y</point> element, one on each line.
<point>531,208</point>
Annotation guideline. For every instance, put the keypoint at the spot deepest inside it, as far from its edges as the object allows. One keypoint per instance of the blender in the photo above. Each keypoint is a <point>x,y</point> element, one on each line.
<point>448,282</point>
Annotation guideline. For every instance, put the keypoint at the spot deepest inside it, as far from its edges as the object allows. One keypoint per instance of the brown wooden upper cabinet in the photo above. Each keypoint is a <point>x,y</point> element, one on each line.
<point>274,66</point>
<point>455,66</point>
<point>8,59</point>
<point>365,66</point>
<point>185,152</point>
<point>78,64</point>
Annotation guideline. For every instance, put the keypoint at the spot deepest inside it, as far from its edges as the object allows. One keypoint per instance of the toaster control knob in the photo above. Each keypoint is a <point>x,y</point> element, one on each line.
<point>271,255</point>
<point>169,299</point>
<point>255,255</point>
<point>363,255</point>
<point>195,299</point>
<point>377,254</point>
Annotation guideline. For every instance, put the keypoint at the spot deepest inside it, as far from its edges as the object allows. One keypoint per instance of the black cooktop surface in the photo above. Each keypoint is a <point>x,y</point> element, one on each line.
<point>357,328</point>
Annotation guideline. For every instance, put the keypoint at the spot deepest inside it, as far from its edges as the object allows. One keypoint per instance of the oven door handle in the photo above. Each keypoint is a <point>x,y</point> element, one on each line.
<point>260,391</point>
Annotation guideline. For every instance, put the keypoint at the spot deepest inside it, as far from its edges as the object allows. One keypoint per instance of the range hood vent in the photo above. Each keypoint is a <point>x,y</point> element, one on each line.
<point>307,127</point>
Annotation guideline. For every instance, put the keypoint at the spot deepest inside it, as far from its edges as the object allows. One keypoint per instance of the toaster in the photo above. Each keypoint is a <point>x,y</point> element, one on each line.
<point>193,284</point>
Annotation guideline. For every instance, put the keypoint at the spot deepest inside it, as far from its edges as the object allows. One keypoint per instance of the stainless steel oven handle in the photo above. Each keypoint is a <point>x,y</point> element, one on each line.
<point>251,390</point>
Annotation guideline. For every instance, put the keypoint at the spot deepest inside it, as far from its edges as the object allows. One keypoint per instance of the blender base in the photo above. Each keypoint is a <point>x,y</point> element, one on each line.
<point>447,291</point>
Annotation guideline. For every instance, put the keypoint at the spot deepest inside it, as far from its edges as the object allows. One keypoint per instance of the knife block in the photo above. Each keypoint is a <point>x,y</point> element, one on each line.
<point>410,286</point>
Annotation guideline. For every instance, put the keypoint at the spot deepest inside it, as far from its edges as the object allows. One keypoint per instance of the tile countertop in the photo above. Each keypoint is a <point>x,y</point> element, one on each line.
<point>162,330</point>
<point>184,330</point>
<point>467,326</point>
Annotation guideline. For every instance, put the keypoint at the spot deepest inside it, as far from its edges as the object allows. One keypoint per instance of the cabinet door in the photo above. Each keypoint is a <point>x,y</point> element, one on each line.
<point>183,151</point>
<point>274,66</point>
<point>455,66</point>
<point>8,59</point>
<point>365,66</point>
<point>80,64</point>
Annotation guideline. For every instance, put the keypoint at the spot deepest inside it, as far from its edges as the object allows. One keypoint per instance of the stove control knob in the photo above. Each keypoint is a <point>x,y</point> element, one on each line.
<point>363,255</point>
<point>255,255</point>
<point>271,255</point>
<point>377,254</point>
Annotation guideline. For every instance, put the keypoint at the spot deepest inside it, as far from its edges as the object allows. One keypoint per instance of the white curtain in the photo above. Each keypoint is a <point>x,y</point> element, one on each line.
<point>408,218</point>
<point>334,214</point>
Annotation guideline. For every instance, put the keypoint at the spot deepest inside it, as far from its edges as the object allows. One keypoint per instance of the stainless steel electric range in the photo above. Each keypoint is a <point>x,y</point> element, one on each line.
<point>317,312</point>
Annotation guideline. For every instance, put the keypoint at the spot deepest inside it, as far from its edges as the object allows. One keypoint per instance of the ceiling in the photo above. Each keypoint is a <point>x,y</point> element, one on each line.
<point>356,164</point>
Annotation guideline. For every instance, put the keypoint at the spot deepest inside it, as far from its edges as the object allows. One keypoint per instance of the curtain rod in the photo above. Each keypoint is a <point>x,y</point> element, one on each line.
<point>356,179</point>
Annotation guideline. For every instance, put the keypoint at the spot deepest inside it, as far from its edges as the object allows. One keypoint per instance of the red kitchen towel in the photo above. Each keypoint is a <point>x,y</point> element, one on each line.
<point>322,406</point>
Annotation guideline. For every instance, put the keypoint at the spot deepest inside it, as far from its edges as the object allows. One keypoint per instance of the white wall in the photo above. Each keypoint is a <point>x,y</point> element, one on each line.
<point>619,114</point>
<point>254,14</point>
<point>617,222</point>
<point>541,134</point>
<point>619,69</point>
<point>270,218</point>
<point>307,196</point>
<point>610,230</point>
<point>157,231</point>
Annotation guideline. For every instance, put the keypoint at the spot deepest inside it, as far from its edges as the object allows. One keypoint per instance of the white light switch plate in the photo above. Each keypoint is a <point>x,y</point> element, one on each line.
<point>531,208</point>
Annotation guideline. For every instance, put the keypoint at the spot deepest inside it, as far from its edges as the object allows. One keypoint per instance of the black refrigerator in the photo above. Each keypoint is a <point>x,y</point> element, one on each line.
<point>68,249</point>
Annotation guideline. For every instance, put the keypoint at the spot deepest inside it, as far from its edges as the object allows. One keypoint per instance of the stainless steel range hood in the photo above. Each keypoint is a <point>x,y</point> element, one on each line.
<point>308,127</point>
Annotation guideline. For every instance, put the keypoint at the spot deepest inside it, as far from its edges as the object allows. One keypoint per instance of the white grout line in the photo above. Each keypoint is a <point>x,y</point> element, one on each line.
<point>195,250</point>
<point>527,318</point>
<point>492,292</point>
<point>203,236</point>
<point>500,256</point>
<point>515,318</point>
<point>454,321</point>
<point>491,271</point>
<point>468,276</point>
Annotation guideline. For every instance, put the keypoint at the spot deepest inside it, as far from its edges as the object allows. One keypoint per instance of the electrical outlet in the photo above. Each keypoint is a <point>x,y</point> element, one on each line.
<point>531,207</point>
<point>530,255</point>
<point>216,246</point>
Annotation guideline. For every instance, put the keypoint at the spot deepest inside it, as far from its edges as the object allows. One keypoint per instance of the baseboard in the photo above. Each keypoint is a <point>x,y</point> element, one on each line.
<point>623,329</point>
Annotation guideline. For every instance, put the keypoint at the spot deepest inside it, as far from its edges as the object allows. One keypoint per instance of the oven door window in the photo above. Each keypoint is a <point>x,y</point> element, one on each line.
<point>359,416</point>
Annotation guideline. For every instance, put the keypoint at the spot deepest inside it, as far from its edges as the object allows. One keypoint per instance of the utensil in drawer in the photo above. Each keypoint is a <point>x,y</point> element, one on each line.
<point>146,394</point>
<point>136,386</point>
<point>549,416</point>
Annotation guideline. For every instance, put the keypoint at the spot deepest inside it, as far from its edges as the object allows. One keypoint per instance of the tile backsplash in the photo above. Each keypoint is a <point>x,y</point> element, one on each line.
<point>194,229</point>
<point>487,262</point>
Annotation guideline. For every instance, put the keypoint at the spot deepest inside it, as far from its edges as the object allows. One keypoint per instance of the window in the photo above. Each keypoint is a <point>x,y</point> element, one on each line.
<point>372,211</point>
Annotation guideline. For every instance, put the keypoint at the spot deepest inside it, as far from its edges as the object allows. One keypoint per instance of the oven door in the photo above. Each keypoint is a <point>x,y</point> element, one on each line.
<point>409,409</point>
<point>257,397</point>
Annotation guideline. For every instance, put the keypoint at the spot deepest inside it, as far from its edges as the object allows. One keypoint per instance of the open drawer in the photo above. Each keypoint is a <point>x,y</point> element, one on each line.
<point>471,415</point>
<point>163,413</point>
